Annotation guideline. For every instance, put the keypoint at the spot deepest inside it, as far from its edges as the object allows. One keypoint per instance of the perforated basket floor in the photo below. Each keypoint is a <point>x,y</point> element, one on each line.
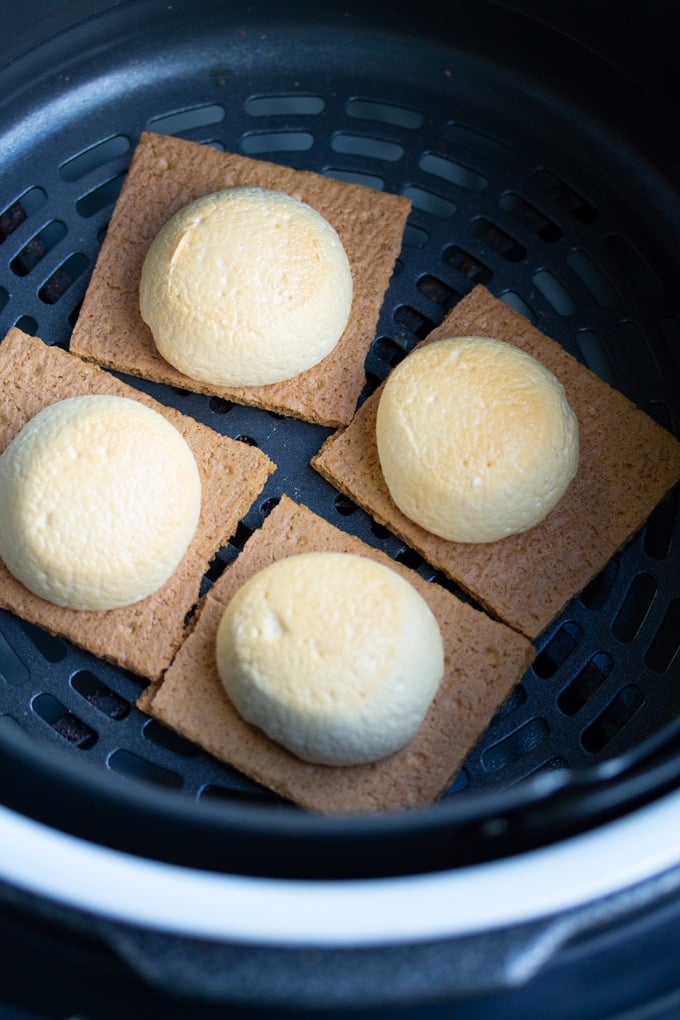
<point>516,182</point>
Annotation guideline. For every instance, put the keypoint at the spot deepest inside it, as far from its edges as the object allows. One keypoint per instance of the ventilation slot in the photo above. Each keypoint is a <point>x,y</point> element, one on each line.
<point>102,197</point>
<point>384,113</point>
<point>19,211</point>
<point>554,292</point>
<point>134,767</point>
<point>585,686</point>
<point>436,290</point>
<point>557,651</point>
<point>595,356</point>
<point>101,697</point>
<point>565,197</point>
<point>467,265</point>
<point>276,141</point>
<point>94,157</point>
<point>372,148</point>
<point>665,645</point>
<point>62,279</point>
<point>518,745</point>
<point>530,217</point>
<point>186,120</point>
<point>454,173</point>
<point>284,105</point>
<point>37,248</point>
<point>430,203</point>
<point>635,608</point>
<point>12,669</point>
<point>612,720</point>
<point>497,240</point>
<point>53,649</point>
<point>63,722</point>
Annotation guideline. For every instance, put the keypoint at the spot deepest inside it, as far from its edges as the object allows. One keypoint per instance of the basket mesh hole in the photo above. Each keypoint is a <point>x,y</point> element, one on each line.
<point>388,351</point>
<point>635,608</point>
<point>590,274</point>
<point>52,648</point>
<point>186,120</point>
<point>132,765</point>
<point>637,351</point>
<point>493,237</point>
<point>594,355</point>
<point>565,197</point>
<point>517,745</point>
<point>12,669</point>
<point>530,217</point>
<point>38,247</point>
<point>436,290</point>
<point>613,719</point>
<point>282,105</point>
<point>356,177</point>
<point>258,142</point>
<point>430,203</point>
<point>467,265</point>
<point>454,173</point>
<point>413,321</point>
<point>665,645</point>
<point>102,197</point>
<point>595,594</point>
<point>219,405</point>
<point>96,156</point>
<point>366,146</point>
<point>20,210</point>
<point>557,651</point>
<point>659,529</point>
<point>473,140</point>
<point>344,505</point>
<point>385,113</point>
<point>633,265</point>
<point>28,324</point>
<point>554,292</point>
<point>99,695</point>
<point>63,722</point>
<point>586,684</point>
<point>63,278</point>
<point>161,736</point>
<point>415,237</point>
<point>232,794</point>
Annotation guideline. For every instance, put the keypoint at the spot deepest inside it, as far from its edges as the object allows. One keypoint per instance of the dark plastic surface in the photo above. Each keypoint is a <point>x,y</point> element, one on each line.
<point>532,168</point>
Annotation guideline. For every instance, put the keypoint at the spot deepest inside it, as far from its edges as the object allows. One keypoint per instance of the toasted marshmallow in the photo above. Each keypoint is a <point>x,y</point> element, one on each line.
<point>246,287</point>
<point>333,655</point>
<point>476,439</point>
<point>99,499</point>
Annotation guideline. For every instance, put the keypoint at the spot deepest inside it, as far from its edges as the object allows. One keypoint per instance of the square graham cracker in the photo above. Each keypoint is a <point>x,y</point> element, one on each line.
<point>627,464</point>
<point>484,660</point>
<point>143,637</point>
<point>166,174</point>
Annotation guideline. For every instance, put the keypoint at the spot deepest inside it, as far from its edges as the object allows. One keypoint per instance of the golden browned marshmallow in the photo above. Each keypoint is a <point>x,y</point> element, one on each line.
<point>476,439</point>
<point>245,287</point>
<point>99,499</point>
<point>333,655</point>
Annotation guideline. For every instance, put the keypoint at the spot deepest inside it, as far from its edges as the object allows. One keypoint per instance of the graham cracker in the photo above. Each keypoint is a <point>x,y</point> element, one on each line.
<point>143,637</point>
<point>166,174</point>
<point>627,465</point>
<point>484,660</point>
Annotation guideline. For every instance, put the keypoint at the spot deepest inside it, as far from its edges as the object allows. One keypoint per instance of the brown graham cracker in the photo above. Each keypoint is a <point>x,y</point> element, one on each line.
<point>142,637</point>
<point>484,660</point>
<point>166,174</point>
<point>627,464</point>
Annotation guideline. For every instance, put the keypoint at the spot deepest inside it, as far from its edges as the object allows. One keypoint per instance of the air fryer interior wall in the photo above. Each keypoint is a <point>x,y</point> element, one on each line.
<point>535,168</point>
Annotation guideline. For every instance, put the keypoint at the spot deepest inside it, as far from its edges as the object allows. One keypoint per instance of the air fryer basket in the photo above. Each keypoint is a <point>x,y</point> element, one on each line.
<point>534,168</point>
